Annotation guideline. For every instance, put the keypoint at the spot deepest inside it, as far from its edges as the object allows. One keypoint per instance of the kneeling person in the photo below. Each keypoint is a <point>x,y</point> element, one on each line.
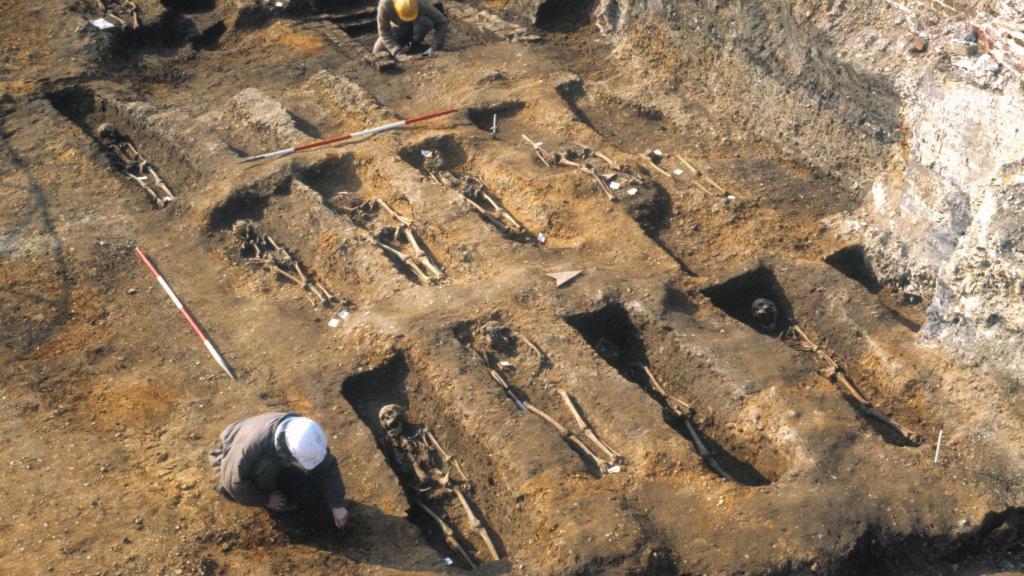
<point>402,24</point>
<point>279,461</point>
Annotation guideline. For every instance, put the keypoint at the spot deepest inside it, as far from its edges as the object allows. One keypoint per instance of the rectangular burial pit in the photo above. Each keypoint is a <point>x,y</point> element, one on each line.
<point>512,359</point>
<point>440,497</point>
<point>486,116</point>
<point>612,334</point>
<point>743,297</point>
<point>124,155</point>
<point>336,179</point>
<point>393,232</point>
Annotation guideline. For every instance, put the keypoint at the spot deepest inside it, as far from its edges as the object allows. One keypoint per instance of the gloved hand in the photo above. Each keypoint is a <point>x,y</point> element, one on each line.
<point>430,52</point>
<point>277,502</point>
<point>340,517</point>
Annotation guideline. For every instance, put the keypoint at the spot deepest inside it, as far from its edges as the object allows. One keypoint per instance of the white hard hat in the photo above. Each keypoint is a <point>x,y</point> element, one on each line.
<point>306,441</point>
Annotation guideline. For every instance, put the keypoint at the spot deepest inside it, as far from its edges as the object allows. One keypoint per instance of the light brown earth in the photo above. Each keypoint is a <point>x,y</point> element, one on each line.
<point>109,402</point>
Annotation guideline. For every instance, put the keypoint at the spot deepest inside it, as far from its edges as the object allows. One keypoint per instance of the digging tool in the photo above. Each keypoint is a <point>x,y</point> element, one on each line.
<point>184,312</point>
<point>349,136</point>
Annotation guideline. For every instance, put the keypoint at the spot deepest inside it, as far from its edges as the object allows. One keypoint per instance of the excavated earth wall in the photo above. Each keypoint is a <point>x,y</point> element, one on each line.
<point>918,106</point>
<point>687,159</point>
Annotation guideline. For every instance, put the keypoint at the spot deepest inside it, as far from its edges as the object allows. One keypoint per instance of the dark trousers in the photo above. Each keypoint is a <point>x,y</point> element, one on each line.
<point>409,33</point>
<point>298,487</point>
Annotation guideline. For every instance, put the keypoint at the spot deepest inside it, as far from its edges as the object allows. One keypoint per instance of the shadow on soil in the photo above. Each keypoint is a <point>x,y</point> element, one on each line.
<point>853,262</point>
<point>368,526</point>
<point>995,545</point>
<point>612,334</point>
<point>367,393</point>
<point>736,295</point>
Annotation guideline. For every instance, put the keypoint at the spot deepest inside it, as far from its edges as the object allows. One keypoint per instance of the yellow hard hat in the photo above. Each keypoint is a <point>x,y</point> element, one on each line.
<point>408,10</point>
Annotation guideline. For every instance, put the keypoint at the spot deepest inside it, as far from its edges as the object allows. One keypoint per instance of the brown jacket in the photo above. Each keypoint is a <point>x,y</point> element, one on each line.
<point>248,462</point>
<point>388,18</point>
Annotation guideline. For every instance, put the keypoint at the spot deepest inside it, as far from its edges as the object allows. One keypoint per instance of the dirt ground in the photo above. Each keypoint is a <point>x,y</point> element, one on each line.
<point>110,403</point>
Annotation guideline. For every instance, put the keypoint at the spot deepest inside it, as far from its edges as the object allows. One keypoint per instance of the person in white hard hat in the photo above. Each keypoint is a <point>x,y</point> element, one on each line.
<point>279,461</point>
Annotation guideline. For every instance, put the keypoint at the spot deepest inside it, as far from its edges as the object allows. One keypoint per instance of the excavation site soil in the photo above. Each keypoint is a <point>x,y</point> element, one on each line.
<point>560,284</point>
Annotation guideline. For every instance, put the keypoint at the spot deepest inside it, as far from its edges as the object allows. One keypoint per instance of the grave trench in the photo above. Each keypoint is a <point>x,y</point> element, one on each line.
<point>389,383</point>
<point>332,245</point>
<point>563,15</point>
<point>81,106</point>
<point>329,176</point>
<point>250,205</point>
<point>333,176</point>
<point>612,334</point>
<point>482,116</point>
<point>526,379</point>
<point>844,338</point>
<point>649,210</point>
<point>450,156</point>
<point>735,296</point>
<point>877,552</point>
<point>358,19</point>
<point>758,181</point>
<point>653,207</point>
<point>172,30</point>
<point>452,153</point>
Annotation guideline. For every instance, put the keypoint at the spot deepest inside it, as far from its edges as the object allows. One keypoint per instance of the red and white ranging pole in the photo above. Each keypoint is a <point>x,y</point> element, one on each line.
<point>184,312</point>
<point>349,136</point>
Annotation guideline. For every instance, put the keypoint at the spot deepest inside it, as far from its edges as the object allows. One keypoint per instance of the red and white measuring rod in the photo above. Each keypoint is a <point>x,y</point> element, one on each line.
<point>349,136</point>
<point>184,312</point>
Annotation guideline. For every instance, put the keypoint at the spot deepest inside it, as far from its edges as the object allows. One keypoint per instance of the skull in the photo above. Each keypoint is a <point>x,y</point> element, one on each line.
<point>765,313</point>
<point>392,417</point>
<point>499,338</point>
